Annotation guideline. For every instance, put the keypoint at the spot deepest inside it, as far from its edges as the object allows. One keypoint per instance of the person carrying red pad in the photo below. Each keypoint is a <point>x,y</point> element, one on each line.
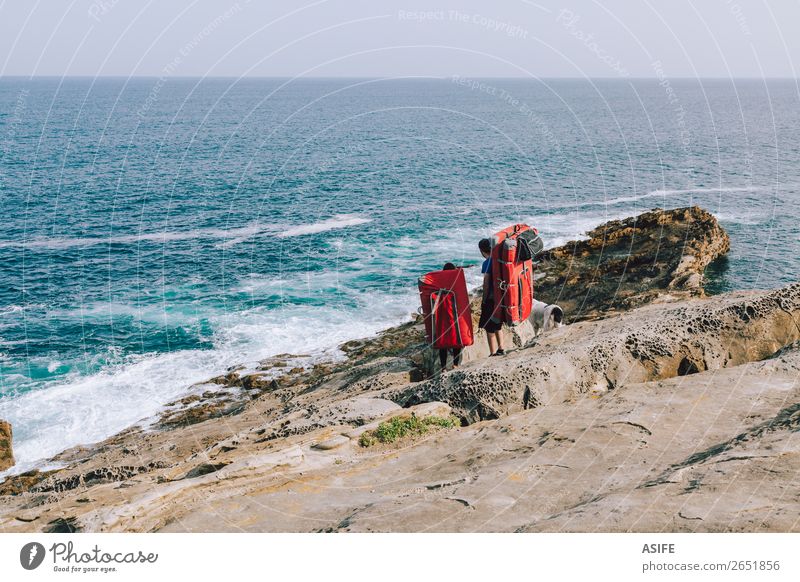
<point>446,311</point>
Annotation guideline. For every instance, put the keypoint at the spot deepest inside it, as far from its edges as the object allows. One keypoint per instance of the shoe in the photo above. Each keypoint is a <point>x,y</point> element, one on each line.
<point>500,352</point>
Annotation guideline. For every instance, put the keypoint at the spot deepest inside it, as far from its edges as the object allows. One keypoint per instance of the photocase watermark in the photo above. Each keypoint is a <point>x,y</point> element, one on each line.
<point>421,15</point>
<point>487,22</point>
<point>65,558</point>
<point>484,87</point>
<point>20,106</point>
<point>738,14</point>
<point>569,20</point>
<point>677,107</point>
<point>31,555</point>
<point>171,67</point>
<point>100,8</point>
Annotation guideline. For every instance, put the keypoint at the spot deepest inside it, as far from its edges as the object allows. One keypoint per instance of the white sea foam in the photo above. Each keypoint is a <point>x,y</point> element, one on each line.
<point>10,309</point>
<point>157,237</point>
<point>338,221</point>
<point>489,208</point>
<point>670,193</point>
<point>558,229</point>
<point>230,237</point>
<point>91,408</point>
<point>87,409</point>
<point>258,284</point>
<point>744,219</point>
<point>157,313</point>
<point>53,366</point>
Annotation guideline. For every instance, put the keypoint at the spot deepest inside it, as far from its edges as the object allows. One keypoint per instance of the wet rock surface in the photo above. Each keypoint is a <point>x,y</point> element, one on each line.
<point>6,446</point>
<point>655,410</point>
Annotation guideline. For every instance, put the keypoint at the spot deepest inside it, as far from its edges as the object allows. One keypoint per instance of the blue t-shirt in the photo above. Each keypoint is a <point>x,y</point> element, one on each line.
<point>486,269</point>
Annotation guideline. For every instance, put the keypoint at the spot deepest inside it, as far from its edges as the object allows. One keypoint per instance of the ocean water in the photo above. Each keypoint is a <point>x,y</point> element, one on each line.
<point>156,232</point>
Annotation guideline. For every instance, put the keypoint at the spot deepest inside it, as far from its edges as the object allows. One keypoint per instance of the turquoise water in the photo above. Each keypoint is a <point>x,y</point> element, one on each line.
<point>155,233</point>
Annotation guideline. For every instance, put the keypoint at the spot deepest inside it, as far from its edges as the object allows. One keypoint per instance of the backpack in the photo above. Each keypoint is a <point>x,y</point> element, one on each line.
<point>513,250</point>
<point>445,308</point>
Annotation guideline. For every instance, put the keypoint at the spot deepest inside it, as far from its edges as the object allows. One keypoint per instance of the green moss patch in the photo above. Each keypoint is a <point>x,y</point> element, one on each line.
<point>403,426</point>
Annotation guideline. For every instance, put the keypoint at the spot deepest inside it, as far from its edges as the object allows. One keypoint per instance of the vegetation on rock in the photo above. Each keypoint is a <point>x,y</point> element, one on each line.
<point>403,426</point>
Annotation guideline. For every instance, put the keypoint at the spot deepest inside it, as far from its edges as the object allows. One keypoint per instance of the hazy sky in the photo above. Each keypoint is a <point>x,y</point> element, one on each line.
<point>608,38</point>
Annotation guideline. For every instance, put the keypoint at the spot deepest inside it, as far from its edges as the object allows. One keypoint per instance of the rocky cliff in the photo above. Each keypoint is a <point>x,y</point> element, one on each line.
<point>660,254</point>
<point>656,410</point>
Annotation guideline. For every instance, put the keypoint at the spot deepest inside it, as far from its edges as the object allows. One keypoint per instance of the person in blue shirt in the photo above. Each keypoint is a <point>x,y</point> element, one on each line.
<point>492,327</point>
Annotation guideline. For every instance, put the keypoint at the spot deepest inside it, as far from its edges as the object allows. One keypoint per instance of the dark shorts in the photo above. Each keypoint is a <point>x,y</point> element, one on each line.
<point>486,321</point>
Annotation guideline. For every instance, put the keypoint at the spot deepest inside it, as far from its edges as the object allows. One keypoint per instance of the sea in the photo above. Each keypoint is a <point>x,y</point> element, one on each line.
<point>156,231</point>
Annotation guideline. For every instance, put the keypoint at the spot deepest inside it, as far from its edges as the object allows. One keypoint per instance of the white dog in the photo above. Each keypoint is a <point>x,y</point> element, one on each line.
<point>545,317</point>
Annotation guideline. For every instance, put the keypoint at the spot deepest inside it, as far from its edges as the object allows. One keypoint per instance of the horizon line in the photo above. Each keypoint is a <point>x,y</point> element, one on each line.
<point>405,77</point>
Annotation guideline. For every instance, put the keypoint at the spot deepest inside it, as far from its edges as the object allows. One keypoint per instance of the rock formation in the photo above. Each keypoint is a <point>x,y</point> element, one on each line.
<point>657,256</point>
<point>651,343</point>
<point>655,410</point>
<point>6,450</point>
<point>627,263</point>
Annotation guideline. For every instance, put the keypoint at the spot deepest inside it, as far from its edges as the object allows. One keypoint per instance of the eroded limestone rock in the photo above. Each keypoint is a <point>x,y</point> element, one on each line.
<point>652,343</point>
